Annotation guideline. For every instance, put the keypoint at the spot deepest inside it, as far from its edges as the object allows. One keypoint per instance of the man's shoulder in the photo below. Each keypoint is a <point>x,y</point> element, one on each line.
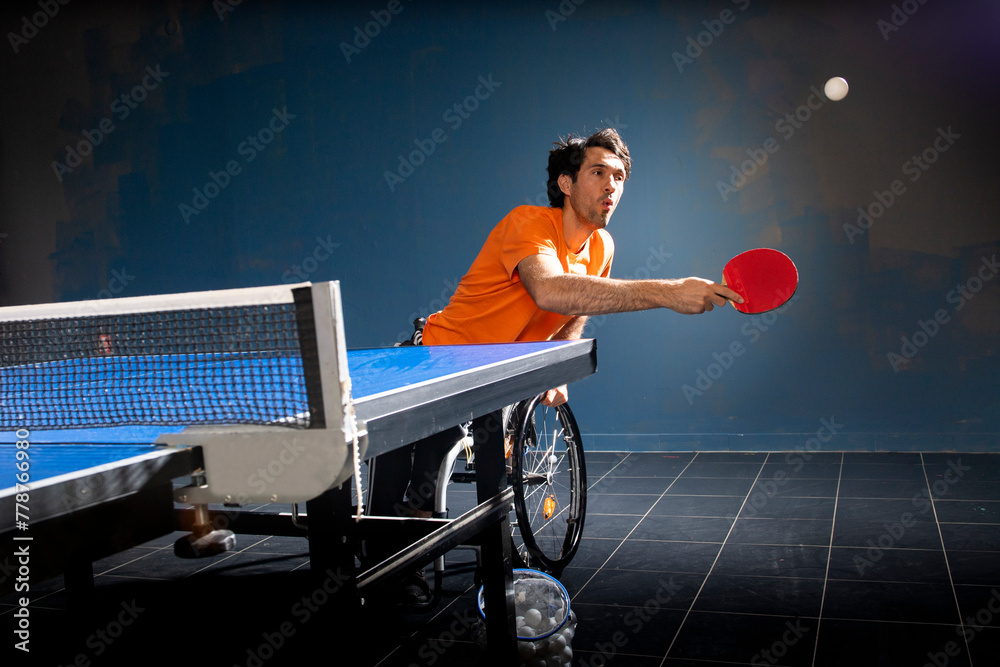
<point>536,212</point>
<point>532,220</point>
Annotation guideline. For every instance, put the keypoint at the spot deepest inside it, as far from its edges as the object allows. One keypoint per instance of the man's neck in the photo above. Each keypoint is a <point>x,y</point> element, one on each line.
<point>575,231</point>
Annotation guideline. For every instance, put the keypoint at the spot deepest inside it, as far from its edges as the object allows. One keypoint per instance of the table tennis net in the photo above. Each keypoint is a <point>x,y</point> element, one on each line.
<point>219,365</point>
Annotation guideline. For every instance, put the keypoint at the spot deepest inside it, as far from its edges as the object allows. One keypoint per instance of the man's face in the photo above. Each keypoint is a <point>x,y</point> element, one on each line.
<point>598,187</point>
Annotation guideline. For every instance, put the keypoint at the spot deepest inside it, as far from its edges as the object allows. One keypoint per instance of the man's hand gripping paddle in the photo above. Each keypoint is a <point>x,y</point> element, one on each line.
<point>765,278</point>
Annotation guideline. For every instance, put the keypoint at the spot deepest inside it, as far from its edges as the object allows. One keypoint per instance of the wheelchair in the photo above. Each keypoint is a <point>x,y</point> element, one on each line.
<point>547,471</point>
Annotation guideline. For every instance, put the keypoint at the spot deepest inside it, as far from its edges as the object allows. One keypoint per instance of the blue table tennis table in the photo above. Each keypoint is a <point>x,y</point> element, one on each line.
<point>93,492</point>
<point>401,393</point>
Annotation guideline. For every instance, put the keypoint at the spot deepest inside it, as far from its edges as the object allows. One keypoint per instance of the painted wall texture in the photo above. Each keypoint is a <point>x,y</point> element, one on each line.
<point>172,146</point>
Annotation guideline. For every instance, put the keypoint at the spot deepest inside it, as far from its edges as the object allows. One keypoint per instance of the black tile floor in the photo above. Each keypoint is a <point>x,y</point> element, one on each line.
<point>707,560</point>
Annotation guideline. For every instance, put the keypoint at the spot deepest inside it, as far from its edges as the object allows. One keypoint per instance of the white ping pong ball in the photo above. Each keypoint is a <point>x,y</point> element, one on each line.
<point>836,88</point>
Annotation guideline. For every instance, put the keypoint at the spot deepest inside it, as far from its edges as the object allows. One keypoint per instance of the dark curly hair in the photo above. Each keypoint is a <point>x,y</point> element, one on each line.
<point>567,158</point>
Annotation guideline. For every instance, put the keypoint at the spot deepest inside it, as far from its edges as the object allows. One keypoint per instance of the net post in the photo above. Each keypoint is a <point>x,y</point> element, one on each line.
<point>306,320</point>
<point>327,342</point>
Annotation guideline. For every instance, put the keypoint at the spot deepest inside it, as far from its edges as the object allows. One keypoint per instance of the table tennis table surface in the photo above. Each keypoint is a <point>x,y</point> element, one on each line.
<point>401,393</point>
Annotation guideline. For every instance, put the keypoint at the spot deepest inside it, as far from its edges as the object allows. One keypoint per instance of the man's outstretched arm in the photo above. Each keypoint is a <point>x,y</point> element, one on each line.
<point>568,294</point>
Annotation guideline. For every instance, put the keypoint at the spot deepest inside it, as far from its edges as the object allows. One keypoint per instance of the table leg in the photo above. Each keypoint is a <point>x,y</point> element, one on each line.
<point>498,578</point>
<point>332,544</point>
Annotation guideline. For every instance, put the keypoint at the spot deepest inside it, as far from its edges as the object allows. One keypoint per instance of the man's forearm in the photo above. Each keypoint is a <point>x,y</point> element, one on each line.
<point>571,294</point>
<point>590,295</point>
<point>572,330</point>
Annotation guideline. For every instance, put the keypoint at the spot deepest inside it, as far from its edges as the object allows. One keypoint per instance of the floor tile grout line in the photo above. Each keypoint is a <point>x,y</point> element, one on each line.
<point>938,503</point>
<point>612,554</point>
<point>617,465</point>
<point>416,632</point>
<point>851,619</point>
<point>829,556</point>
<point>789,577</point>
<point>947,565</point>
<point>718,553</point>
<point>152,552</point>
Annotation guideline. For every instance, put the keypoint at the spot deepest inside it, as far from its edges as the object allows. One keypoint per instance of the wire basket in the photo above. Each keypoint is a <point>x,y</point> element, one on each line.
<point>545,622</point>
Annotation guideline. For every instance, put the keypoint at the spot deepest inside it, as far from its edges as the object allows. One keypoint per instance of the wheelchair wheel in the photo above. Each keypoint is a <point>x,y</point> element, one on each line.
<point>549,478</point>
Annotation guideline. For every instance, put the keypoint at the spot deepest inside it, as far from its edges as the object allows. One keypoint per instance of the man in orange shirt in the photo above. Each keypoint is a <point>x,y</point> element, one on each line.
<point>540,273</point>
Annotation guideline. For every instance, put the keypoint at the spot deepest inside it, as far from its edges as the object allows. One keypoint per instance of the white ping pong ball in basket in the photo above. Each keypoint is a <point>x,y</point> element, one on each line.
<point>532,617</point>
<point>836,88</point>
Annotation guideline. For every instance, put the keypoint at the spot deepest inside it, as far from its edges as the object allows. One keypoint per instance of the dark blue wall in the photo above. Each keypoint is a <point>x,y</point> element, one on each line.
<point>699,90</point>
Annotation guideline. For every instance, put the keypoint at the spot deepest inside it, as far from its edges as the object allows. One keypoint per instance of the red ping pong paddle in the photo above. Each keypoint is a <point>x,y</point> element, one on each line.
<point>765,278</point>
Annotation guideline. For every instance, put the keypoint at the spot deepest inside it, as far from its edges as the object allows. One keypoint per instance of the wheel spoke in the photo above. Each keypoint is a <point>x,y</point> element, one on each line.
<point>548,475</point>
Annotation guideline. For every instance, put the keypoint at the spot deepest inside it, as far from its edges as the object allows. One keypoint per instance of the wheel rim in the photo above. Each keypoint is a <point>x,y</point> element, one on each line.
<point>549,481</point>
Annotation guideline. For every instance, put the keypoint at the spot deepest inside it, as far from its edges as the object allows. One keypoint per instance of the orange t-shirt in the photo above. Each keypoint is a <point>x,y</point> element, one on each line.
<point>491,305</point>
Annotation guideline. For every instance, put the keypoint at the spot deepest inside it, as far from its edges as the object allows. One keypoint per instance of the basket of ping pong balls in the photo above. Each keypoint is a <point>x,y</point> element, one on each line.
<point>545,623</point>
